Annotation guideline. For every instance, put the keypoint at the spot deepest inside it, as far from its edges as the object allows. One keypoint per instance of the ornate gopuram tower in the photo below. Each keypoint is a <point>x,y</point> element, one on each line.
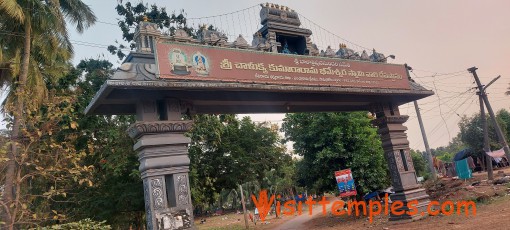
<point>281,30</point>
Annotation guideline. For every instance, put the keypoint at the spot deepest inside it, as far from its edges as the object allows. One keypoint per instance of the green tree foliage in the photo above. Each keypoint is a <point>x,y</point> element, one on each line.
<point>420,164</point>
<point>49,166</point>
<point>445,156</point>
<point>471,131</point>
<point>116,191</point>
<point>34,41</point>
<point>283,178</point>
<point>456,145</point>
<point>332,141</point>
<point>226,152</point>
<point>447,153</point>
<point>504,119</point>
<point>75,166</point>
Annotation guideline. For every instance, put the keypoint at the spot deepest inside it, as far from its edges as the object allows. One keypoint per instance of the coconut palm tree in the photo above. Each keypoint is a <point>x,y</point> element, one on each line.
<point>34,40</point>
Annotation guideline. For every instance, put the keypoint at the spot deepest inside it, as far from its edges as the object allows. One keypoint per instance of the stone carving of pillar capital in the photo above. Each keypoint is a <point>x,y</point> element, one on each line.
<point>154,127</point>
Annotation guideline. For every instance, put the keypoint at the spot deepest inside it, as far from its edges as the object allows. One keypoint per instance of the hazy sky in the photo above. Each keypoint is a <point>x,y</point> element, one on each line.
<point>434,36</point>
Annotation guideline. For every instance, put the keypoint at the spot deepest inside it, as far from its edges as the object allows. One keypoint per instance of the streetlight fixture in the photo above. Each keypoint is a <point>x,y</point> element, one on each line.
<point>386,58</point>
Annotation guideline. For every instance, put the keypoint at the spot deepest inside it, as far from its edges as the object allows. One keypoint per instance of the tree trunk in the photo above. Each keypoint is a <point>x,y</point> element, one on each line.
<point>482,163</point>
<point>221,202</point>
<point>234,203</point>
<point>10,173</point>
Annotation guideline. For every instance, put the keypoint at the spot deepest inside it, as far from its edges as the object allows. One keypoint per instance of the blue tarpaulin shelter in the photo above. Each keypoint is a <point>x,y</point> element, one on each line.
<point>461,155</point>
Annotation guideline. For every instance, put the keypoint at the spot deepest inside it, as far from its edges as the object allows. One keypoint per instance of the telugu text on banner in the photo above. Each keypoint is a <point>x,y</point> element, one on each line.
<point>206,63</point>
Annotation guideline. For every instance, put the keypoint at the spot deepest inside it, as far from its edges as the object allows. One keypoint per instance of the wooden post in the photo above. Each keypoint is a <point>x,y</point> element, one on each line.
<point>244,207</point>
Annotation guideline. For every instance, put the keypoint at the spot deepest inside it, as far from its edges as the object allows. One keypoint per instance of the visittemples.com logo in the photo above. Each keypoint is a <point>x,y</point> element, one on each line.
<point>264,203</point>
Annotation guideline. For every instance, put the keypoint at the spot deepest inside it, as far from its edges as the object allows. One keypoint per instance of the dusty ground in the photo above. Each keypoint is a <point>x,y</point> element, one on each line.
<point>492,204</point>
<point>236,221</point>
<point>492,215</point>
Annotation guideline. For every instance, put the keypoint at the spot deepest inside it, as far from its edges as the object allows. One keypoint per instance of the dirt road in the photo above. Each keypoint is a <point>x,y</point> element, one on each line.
<point>298,222</point>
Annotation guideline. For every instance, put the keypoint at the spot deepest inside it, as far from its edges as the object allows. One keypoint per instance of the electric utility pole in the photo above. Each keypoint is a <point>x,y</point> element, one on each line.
<point>423,134</point>
<point>486,149</point>
<point>481,88</point>
<point>426,142</point>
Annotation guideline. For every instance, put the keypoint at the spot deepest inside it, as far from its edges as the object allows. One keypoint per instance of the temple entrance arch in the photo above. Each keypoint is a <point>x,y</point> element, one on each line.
<point>282,71</point>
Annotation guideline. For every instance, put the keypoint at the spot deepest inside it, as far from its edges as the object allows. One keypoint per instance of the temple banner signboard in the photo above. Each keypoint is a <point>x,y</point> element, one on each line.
<point>180,61</point>
<point>345,183</point>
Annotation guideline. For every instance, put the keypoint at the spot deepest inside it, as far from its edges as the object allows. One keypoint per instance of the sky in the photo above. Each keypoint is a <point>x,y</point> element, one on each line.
<point>438,39</point>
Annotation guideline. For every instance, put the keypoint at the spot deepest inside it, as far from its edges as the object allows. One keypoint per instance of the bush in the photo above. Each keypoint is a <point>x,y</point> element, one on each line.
<point>420,165</point>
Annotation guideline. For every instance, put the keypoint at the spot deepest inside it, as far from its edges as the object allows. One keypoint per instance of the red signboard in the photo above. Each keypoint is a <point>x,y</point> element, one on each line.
<point>207,63</point>
<point>345,183</point>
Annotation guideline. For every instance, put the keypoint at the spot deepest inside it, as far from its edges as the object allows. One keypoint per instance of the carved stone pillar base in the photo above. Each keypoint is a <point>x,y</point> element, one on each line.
<point>406,196</point>
<point>397,154</point>
<point>164,167</point>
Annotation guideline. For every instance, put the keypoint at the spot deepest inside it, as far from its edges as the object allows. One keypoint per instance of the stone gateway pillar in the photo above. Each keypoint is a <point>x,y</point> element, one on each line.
<point>164,164</point>
<point>400,164</point>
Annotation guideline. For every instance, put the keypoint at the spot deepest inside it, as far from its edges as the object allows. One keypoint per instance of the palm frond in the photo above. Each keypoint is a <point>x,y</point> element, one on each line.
<point>51,47</point>
<point>12,9</point>
<point>78,13</point>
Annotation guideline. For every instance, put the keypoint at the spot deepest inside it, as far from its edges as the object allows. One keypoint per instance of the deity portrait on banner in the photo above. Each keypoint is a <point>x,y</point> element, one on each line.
<point>200,64</point>
<point>178,62</point>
